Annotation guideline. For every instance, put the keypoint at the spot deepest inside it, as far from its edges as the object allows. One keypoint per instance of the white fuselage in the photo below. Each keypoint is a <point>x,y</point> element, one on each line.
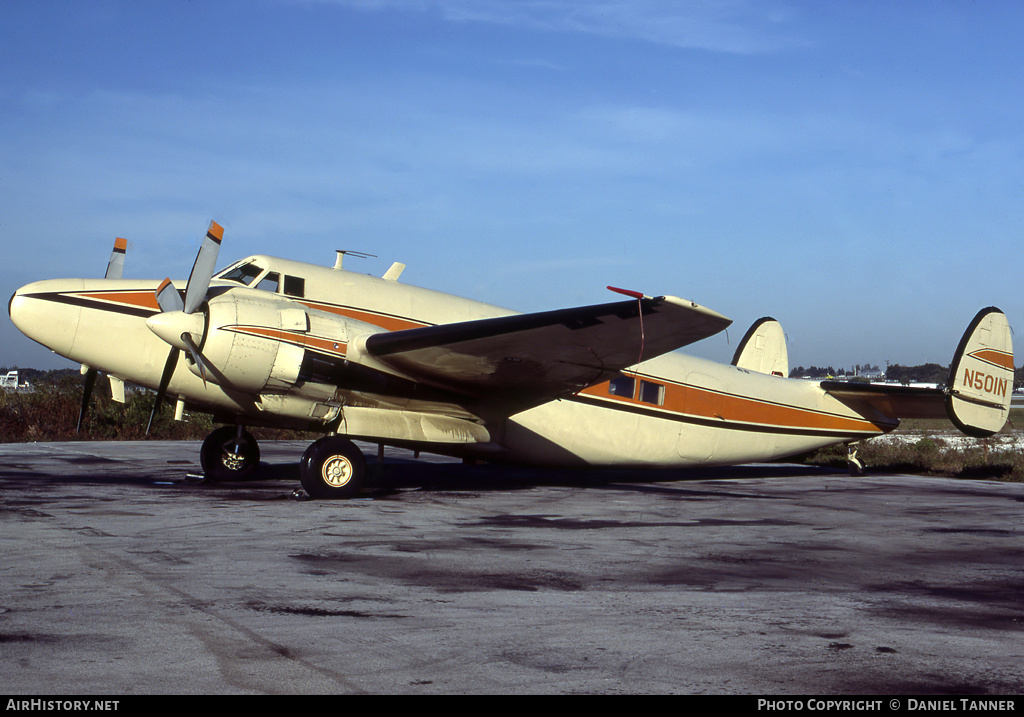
<point>285,355</point>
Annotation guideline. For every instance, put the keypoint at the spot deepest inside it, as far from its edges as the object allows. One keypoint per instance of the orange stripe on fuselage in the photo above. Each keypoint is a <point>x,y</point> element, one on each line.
<point>142,299</point>
<point>702,403</point>
<point>390,323</point>
<point>314,342</point>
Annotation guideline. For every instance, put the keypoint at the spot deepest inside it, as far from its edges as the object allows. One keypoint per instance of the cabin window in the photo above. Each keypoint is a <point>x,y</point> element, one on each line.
<point>243,274</point>
<point>294,286</point>
<point>621,386</point>
<point>271,282</point>
<point>651,392</point>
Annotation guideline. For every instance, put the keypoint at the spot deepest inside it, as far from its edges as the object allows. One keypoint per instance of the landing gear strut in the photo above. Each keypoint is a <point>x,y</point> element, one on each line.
<point>229,453</point>
<point>332,467</point>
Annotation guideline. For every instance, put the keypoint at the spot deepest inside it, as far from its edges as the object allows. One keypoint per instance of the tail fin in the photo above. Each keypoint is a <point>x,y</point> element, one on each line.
<point>981,376</point>
<point>763,349</point>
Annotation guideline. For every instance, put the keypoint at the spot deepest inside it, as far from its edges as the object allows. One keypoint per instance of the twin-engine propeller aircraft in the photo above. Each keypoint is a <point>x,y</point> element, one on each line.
<point>274,342</point>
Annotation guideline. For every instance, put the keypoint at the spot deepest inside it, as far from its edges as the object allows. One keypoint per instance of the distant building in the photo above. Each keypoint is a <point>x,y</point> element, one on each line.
<point>10,380</point>
<point>872,373</point>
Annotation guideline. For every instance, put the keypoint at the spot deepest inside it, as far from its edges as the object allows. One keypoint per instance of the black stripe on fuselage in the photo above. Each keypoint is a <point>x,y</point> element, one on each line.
<point>76,300</point>
<point>654,412</point>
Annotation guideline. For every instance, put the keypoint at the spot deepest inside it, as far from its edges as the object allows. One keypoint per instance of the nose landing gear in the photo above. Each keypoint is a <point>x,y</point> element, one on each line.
<point>229,453</point>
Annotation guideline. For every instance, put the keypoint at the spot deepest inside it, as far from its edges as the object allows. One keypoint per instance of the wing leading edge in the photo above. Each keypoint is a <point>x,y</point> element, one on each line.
<point>528,359</point>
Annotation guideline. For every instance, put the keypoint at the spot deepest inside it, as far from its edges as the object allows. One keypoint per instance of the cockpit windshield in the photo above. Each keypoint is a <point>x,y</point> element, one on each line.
<point>243,273</point>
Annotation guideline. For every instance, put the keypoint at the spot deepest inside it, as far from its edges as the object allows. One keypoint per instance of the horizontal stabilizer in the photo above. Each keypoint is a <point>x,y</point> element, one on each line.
<point>891,401</point>
<point>977,393</point>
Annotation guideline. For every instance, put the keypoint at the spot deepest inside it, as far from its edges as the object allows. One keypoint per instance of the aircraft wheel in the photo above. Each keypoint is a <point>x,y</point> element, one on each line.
<point>224,458</point>
<point>854,464</point>
<point>333,467</point>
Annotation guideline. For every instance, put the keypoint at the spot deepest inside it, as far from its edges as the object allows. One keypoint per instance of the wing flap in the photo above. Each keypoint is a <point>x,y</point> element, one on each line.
<point>412,426</point>
<point>528,359</point>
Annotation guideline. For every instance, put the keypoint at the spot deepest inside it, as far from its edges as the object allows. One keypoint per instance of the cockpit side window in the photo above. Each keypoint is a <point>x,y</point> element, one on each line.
<point>243,274</point>
<point>270,282</point>
<point>294,286</point>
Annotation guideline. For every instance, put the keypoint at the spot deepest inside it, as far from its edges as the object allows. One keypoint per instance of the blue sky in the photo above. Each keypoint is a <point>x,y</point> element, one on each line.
<point>854,169</point>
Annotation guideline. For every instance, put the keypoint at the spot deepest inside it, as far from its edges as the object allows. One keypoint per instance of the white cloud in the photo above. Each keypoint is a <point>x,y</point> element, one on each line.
<point>735,26</point>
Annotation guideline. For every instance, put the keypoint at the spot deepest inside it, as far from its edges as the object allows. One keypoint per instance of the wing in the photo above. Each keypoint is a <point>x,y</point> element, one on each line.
<point>528,359</point>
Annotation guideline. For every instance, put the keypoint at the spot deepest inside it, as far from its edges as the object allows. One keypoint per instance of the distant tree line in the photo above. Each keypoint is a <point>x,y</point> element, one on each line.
<point>865,371</point>
<point>925,373</point>
<point>816,372</point>
<point>895,373</point>
<point>934,373</point>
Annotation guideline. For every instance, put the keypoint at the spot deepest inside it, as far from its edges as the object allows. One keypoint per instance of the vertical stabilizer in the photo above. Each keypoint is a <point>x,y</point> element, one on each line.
<point>763,349</point>
<point>981,376</point>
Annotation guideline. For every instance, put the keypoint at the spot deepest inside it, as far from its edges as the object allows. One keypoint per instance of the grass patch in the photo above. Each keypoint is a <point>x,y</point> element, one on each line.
<point>933,447</point>
<point>50,413</point>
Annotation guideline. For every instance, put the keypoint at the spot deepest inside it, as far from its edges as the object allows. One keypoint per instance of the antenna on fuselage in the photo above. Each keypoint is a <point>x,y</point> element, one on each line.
<point>341,256</point>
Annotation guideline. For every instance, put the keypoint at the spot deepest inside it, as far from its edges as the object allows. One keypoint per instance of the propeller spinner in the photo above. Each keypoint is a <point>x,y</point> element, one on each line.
<point>179,322</point>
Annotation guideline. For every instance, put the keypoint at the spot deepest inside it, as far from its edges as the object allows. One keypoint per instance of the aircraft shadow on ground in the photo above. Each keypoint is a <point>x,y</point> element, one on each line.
<point>395,474</point>
<point>400,474</point>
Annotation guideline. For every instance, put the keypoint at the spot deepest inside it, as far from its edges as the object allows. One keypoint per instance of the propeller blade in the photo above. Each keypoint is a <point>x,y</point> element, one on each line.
<point>202,270</point>
<point>165,379</point>
<point>115,267</point>
<point>116,264</point>
<point>90,381</point>
<point>193,351</point>
<point>168,297</point>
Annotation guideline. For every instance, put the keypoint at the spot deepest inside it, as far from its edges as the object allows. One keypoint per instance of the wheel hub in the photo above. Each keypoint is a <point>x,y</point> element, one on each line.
<point>337,471</point>
<point>233,461</point>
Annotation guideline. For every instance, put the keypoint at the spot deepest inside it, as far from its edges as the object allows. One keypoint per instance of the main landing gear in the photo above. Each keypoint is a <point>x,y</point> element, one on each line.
<point>332,467</point>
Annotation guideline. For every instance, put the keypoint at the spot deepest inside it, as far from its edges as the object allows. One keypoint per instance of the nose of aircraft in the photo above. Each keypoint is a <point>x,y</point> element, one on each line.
<point>42,312</point>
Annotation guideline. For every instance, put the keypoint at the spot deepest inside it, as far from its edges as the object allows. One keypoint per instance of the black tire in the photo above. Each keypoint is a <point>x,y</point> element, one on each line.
<point>333,467</point>
<point>222,460</point>
<point>856,467</point>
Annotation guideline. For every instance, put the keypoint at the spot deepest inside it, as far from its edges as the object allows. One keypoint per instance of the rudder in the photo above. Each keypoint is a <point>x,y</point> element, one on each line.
<point>980,381</point>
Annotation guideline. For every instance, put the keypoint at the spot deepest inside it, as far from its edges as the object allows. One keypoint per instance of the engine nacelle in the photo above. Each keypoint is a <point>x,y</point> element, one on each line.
<point>257,343</point>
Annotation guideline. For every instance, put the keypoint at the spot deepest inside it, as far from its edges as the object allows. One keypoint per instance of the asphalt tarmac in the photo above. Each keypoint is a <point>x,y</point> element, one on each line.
<point>122,575</point>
